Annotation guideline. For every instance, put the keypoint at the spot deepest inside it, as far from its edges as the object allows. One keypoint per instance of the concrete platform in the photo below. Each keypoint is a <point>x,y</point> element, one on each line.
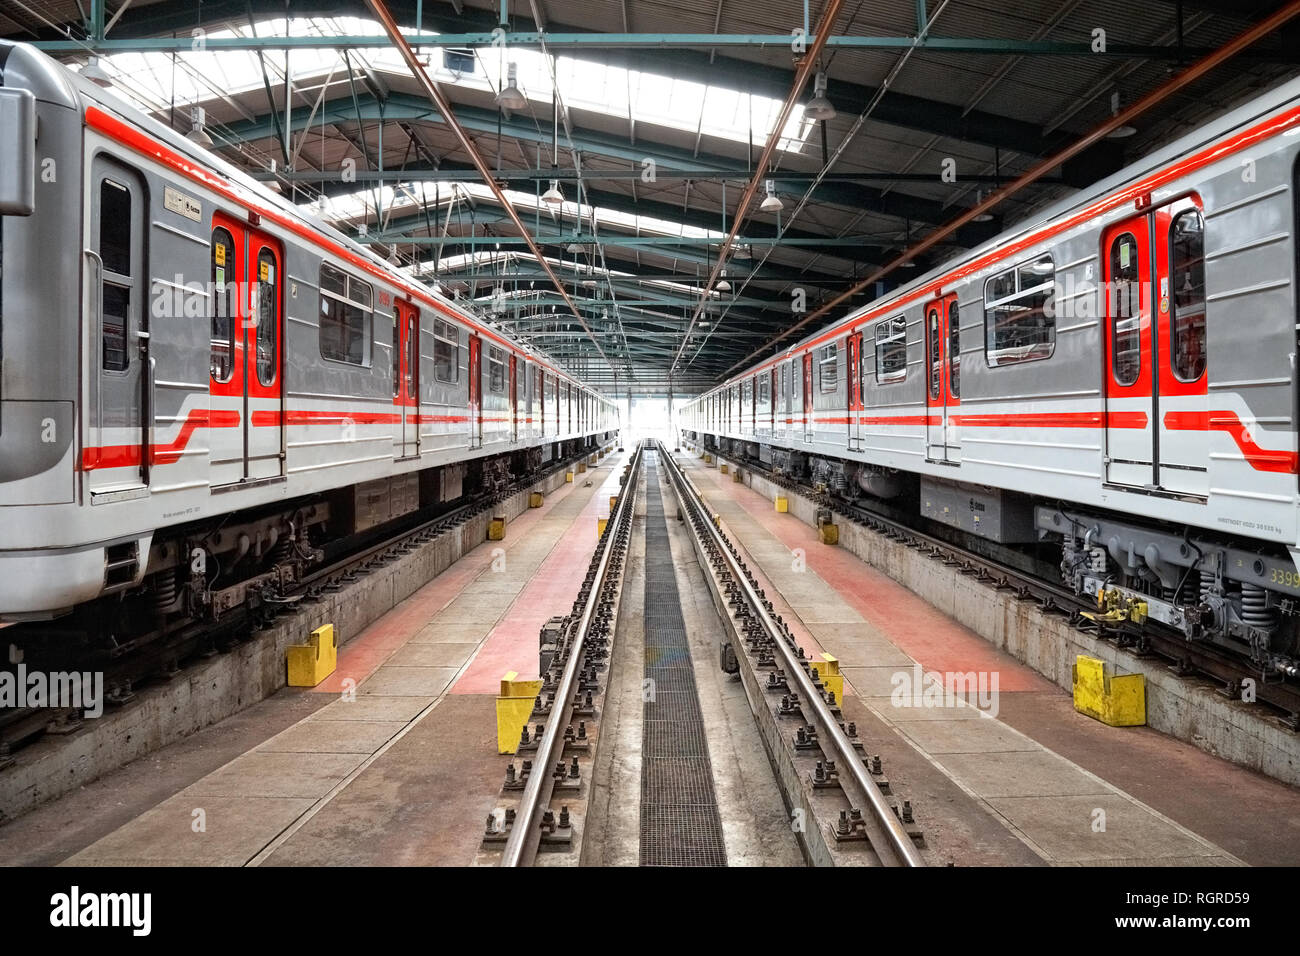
<point>1048,775</point>
<point>383,763</point>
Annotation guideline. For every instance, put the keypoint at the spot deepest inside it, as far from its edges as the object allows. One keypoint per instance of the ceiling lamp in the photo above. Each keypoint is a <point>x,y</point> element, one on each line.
<point>772,203</point>
<point>198,129</point>
<point>95,73</point>
<point>985,216</point>
<point>819,107</point>
<point>574,248</point>
<point>553,196</point>
<point>723,285</point>
<point>1119,132</point>
<point>742,251</point>
<point>511,98</point>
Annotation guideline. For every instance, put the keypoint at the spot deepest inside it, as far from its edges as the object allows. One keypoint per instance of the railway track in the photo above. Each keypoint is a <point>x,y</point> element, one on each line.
<point>848,816</point>
<point>1181,655</point>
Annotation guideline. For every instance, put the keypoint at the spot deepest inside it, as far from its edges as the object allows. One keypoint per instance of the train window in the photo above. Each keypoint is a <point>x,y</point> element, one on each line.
<point>765,390</point>
<point>785,386</point>
<point>347,317</point>
<point>115,227</point>
<point>891,350</point>
<point>954,351</point>
<point>446,352</point>
<point>1125,310</point>
<point>496,362</point>
<point>827,369</point>
<point>224,266</point>
<point>268,326</point>
<point>1187,276</point>
<point>115,254</point>
<point>1019,325</point>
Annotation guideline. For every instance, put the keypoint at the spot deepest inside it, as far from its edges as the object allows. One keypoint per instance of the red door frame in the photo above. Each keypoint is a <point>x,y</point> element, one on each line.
<point>475,391</point>
<point>807,397</point>
<point>940,400</point>
<point>514,400</point>
<point>257,442</point>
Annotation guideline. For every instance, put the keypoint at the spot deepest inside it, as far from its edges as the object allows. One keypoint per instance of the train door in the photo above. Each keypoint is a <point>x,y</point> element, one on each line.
<point>122,395</point>
<point>853,383</point>
<point>807,398</point>
<point>515,410</point>
<point>1156,398</point>
<point>943,380</point>
<point>245,391</point>
<point>1130,398</point>
<point>406,381</point>
<point>475,392</point>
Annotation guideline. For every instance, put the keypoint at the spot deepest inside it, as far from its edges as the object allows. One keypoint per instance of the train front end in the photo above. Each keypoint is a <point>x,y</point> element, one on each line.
<point>46,566</point>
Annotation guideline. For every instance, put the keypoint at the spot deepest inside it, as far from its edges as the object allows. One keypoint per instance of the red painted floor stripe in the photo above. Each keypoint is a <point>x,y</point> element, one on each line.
<point>364,654</point>
<point>512,645</point>
<point>927,635</point>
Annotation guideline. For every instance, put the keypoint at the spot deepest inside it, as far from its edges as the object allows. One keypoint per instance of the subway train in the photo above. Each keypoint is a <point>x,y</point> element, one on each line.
<point>1115,376</point>
<point>202,383</point>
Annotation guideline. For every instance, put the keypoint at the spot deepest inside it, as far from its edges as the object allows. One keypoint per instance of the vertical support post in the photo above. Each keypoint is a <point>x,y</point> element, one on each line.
<point>96,20</point>
<point>288,94</point>
<point>920,17</point>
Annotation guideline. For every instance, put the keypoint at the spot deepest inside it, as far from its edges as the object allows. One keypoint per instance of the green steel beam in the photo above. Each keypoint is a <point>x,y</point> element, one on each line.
<point>343,110</point>
<point>647,41</point>
<point>180,17</point>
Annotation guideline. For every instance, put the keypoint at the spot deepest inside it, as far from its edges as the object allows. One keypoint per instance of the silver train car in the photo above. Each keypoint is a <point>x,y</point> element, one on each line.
<point>1117,375</point>
<point>200,382</point>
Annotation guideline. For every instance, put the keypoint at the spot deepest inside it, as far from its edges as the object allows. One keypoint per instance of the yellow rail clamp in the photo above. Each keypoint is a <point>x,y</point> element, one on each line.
<point>600,526</point>
<point>535,499</point>
<point>514,706</point>
<point>1119,700</point>
<point>497,528</point>
<point>830,533</point>
<point>782,504</point>
<point>828,672</point>
<point>717,520</point>
<point>613,503</point>
<point>568,477</point>
<point>708,459</point>
<point>724,468</point>
<point>582,467</point>
<point>735,475</point>
<point>594,459</point>
<point>311,663</point>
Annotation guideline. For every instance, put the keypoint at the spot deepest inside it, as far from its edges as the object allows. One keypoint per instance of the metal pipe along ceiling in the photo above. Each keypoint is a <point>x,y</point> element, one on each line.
<point>806,67</point>
<point>1160,93</point>
<point>435,95</point>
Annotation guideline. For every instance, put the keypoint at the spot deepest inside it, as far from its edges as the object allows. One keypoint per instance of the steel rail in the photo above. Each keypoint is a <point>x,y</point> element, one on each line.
<point>435,95</point>
<point>537,792</point>
<point>853,773</point>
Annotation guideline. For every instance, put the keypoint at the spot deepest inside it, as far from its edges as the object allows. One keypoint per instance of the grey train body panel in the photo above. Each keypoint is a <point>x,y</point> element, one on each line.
<point>109,434</point>
<point>1214,451</point>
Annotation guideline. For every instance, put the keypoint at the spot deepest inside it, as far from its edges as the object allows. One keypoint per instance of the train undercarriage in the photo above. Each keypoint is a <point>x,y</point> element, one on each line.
<point>1243,598</point>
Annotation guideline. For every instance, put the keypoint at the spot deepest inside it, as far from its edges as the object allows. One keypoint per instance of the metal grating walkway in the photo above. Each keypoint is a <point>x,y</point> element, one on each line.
<point>680,825</point>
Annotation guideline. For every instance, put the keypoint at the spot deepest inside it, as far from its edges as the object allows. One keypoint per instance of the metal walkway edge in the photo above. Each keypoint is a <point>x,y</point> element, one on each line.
<point>680,824</point>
